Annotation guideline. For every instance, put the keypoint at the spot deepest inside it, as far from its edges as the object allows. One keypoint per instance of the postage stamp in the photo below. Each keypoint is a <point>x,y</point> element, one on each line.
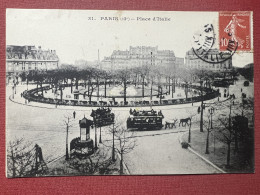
<point>234,30</point>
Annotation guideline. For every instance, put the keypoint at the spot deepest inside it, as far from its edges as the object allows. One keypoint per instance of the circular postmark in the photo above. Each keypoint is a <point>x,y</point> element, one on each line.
<point>203,46</point>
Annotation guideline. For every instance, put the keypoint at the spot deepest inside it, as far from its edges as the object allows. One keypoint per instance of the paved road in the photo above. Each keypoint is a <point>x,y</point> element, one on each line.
<point>163,154</point>
<point>154,154</point>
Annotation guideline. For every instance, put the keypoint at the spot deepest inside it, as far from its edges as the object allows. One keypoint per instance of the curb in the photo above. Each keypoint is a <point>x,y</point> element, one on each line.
<point>54,160</point>
<point>202,157</point>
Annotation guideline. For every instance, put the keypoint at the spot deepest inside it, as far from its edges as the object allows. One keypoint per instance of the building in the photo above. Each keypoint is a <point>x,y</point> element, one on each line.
<point>25,58</point>
<point>193,61</point>
<point>179,62</point>
<point>137,57</point>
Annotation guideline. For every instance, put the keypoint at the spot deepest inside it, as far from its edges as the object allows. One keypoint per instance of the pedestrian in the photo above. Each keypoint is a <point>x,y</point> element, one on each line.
<point>74,114</point>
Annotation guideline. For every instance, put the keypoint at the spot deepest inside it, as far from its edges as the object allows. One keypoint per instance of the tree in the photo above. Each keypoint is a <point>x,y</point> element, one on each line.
<point>124,75</point>
<point>39,77</point>
<point>97,163</point>
<point>24,159</point>
<point>227,133</point>
<point>67,121</point>
<point>143,71</point>
<point>125,141</point>
<point>207,126</point>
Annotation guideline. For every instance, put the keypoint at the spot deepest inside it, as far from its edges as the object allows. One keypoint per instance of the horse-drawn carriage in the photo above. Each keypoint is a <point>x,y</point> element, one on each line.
<point>102,117</point>
<point>145,120</point>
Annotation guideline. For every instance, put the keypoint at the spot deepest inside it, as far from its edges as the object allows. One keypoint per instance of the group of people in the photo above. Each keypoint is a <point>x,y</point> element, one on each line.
<point>145,113</point>
<point>100,111</point>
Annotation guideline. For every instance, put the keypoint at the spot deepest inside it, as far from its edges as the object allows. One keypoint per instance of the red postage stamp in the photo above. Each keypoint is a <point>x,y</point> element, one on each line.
<point>234,31</point>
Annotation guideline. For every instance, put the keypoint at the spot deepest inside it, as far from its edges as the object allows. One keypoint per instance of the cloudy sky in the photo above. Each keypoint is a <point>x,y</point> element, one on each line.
<point>79,34</point>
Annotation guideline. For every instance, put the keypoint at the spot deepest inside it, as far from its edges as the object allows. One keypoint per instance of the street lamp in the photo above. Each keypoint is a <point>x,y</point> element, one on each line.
<point>211,112</point>
<point>113,147</point>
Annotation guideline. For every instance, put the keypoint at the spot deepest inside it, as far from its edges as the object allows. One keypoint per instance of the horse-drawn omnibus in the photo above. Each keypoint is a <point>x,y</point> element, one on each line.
<point>148,120</point>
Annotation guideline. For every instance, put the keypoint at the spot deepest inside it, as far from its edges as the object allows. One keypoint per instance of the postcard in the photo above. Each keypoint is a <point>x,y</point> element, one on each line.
<point>112,92</point>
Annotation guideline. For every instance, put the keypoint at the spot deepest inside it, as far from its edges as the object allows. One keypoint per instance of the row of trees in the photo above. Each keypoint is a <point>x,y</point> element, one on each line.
<point>233,125</point>
<point>154,78</point>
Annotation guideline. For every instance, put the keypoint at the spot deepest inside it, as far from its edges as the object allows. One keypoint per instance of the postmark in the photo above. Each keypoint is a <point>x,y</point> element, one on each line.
<point>204,46</point>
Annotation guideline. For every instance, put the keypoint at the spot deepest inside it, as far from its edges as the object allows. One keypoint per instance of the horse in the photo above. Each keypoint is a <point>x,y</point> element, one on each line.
<point>170,124</point>
<point>185,121</point>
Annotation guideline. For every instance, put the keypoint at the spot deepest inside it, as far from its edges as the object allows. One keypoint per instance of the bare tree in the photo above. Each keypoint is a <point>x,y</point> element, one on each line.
<point>67,122</point>
<point>97,163</point>
<point>226,132</point>
<point>124,76</point>
<point>123,141</point>
<point>24,159</point>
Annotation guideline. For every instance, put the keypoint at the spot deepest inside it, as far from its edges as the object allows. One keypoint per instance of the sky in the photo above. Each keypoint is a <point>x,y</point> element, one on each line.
<point>79,34</point>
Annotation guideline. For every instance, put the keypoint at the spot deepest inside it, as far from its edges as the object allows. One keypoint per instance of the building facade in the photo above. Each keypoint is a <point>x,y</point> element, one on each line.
<point>26,58</point>
<point>193,61</point>
<point>137,57</point>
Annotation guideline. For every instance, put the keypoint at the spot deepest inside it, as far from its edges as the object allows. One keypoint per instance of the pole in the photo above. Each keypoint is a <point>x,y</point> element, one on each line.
<point>100,141</point>
<point>201,114</point>
<point>214,141</point>
<point>113,147</point>
<point>67,148</point>
<point>211,113</point>
<point>95,136</point>
<point>36,159</point>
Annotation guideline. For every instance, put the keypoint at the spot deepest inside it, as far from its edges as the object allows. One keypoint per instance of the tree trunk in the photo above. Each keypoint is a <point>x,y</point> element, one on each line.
<point>151,93</point>
<point>143,87</point>
<point>121,164</point>
<point>201,110</point>
<point>228,155</point>
<point>124,92</point>
<point>88,86</point>
<point>105,88</point>
<point>13,162</point>
<point>61,93</point>
<point>77,83</point>
<point>67,149</point>
<point>189,139</point>
<point>236,142</point>
<point>113,147</point>
<point>95,136</point>
<point>98,89</point>
<point>207,143</point>
<point>71,86</point>
<point>169,85</point>
<point>42,90</point>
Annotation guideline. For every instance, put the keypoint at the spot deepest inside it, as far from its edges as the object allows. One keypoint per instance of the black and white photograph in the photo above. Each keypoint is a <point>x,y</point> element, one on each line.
<point>107,92</point>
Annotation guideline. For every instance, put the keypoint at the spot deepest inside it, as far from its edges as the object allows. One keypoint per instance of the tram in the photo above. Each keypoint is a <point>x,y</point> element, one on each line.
<point>141,120</point>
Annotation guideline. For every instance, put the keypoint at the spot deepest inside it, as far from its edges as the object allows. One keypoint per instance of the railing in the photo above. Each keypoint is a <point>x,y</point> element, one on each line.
<point>30,95</point>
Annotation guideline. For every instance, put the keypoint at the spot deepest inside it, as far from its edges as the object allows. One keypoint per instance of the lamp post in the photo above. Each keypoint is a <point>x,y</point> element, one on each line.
<point>202,106</point>
<point>100,140</point>
<point>113,147</point>
<point>211,112</point>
